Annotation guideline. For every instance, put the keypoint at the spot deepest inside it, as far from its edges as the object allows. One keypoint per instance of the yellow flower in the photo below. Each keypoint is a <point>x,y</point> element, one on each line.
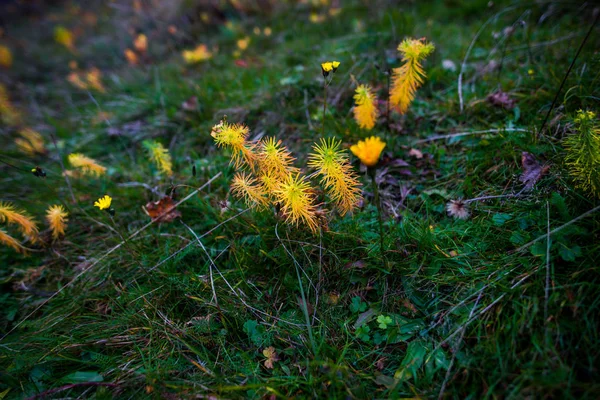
<point>30,142</point>
<point>6,57</point>
<point>64,36</point>
<point>200,53</point>
<point>57,220</point>
<point>275,158</point>
<point>234,136</point>
<point>243,43</point>
<point>86,165</point>
<point>160,156</point>
<point>10,241</point>
<point>141,43</point>
<point>365,111</point>
<point>327,67</point>
<point>337,175</point>
<point>335,65</point>
<point>26,224</point>
<point>409,77</point>
<point>369,150</point>
<point>297,201</point>
<point>267,31</point>
<point>103,203</point>
<point>245,187</point>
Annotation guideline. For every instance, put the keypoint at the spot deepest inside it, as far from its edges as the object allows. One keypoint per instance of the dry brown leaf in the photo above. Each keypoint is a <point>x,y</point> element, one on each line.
<point>163,210</point>
<point>501,99</point>
<point>271,357</point>
<point>533,170</point>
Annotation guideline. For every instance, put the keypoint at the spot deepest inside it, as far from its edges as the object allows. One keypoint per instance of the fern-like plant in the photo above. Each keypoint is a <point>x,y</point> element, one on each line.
<point>583,153</point>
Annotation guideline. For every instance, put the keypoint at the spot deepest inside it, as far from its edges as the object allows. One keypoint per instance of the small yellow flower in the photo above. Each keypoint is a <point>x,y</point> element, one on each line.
<point>335,65</point>
<point>267,31</point>
<point>530,72</point>
<point>369,150</point>
<point>57,220</point>
<point>103,203</point>
<point>243,43</point>
<point>199,54</point>
<point>327,67</point>
<point>141,43</point>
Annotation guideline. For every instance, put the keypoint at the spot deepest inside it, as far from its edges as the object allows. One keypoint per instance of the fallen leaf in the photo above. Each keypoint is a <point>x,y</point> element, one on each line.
<point>162,210</point>
<point>190,104</point>
<point>415,153</point>
<point>533,170</point>
<point>271,357</point>
<point>501,99</point>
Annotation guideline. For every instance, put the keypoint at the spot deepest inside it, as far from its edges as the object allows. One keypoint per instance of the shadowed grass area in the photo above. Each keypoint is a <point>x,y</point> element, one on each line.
<point>475,308</point>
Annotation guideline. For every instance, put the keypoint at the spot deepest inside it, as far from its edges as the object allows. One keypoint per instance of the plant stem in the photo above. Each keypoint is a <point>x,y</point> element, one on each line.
<point>387,111</point>
<point>379,214</point>
<point>305,311</point>
<point>324,106</point>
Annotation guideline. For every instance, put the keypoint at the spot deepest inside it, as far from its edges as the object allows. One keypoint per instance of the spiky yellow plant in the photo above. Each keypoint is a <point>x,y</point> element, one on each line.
<point>131,57</point>
<point>86,165</point>
<point>64,37</point>
<point>6,57</point>
<point>296,198</point>
<point>26,224</point>
<point>8,113</point>
<point>94,79</point>
<point>410,76</point>
<point>75,79</point>
<point>337,175</point>
<point>199,54</point>
<point>159,156</point>
<point>365,109</point>
<point>30,142</point>
<point>270,182</point>
<point>583,152</point>
<point>141,43</point>
<point>57,219</point>
<point>247,188</point>
<point>234,136</point>
<point>275,159</point>
<point>10,241</point>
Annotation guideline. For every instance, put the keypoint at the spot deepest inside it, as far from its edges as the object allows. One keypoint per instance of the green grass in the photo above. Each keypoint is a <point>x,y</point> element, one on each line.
<point>161,316</point>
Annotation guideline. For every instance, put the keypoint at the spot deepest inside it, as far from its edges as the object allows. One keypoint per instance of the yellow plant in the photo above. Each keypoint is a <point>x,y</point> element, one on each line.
<point>159,156</point>
<point>246,187</point>
<point>94,79</point>
<point>275,159</point>
<point>199,54</point>
<point>10,241</point>
<point>86,165</point>
<point>57,219</point>
<point>337,176</point>
<point>30,142</point>
<point>410,76</point>
<point>141,43</point>
<point>296,198</point>
<point>10,215</point>
<point>6,57</point>
<point>233,136</point>
<point>131,57</point>
<point>365,109</point>
<point>64,37</point>
<point>368,150</point>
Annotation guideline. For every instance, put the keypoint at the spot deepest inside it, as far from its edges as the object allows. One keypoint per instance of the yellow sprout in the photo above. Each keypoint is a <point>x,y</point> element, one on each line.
<point>336,173</point>
<point>6,57</point>
<point>131,57</point>
<point>10,241</point>
<point>297,201</point>
<point>160,156</point>
<point>103,203</point>
<point>64,37</point>
<point>9,215</point>
<point>368,150</point>
<point>246,187</point>
<point>57,220</point>
<point>234,136</point>
<point>275,158</point>
<point>8,114</point>
<point>141,43</point>
<point>409,77</point>
<point>94,76</point>
<point>365,110</point>
<point>30,142</point>
<point>200,53</point>
<point>86,165</point>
